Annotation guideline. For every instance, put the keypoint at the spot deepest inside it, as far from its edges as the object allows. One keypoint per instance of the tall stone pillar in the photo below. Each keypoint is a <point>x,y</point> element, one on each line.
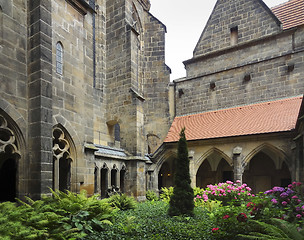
<point>40,97</point>
<point>237,164</point>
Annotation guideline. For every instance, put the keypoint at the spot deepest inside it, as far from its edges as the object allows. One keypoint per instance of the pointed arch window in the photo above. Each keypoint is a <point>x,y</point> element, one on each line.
<point>59,58</point>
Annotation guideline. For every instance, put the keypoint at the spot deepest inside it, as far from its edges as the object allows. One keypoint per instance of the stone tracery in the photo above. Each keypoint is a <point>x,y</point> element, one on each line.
<point>62,160</point>
<point>7,140</point>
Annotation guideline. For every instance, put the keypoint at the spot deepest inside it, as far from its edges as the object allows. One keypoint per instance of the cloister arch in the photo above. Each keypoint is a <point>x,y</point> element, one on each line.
<point>13,170</point>
<point>264,167</point>
<point>104,172</point>
<point>211,152</point>
<point>165,170</point>
<point>64,156</point>
<point>212,167</point>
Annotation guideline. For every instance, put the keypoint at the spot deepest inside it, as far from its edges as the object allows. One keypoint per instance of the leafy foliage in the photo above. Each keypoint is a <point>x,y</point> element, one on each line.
<point>278,230</point>
<point>122,201</point>
<point>166,194</point>
<point>181,201</point>
<point>150,221</point>
<point>63,216</point>
<point>151,196</point>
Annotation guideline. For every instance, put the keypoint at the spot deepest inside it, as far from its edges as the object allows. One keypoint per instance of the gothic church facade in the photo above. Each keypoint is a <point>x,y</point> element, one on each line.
<point>83,93</point>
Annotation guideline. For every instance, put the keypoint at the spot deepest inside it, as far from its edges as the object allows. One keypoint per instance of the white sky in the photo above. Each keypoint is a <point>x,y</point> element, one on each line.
<point>185,21</point>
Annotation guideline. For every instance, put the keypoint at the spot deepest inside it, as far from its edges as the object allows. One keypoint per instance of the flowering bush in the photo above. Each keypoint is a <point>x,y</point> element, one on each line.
<point>227,193</point>
<point>290,200</point>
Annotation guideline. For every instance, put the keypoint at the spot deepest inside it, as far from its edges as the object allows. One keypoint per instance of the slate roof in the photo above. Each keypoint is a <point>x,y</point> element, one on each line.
<point>290,13</point>
<point>266,117</point>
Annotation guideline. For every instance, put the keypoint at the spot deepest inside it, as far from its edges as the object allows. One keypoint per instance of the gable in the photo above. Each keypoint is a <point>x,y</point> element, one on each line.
<point>252,19</point>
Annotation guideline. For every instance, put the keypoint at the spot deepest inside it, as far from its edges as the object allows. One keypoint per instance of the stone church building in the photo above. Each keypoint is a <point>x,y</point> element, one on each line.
<point>86,100</point>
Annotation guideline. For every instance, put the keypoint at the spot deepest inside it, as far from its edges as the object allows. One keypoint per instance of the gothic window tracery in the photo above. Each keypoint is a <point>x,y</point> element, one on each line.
<point>8,144</point>
<point>61,160</point>
<point>9,155</point>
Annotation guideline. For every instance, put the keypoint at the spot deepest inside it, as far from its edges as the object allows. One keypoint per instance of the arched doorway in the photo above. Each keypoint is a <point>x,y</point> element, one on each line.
<point>166,174</point>
<point>205,175</point>
<point>114,177</point>
<point>261,173</point>
<point>104,181</point>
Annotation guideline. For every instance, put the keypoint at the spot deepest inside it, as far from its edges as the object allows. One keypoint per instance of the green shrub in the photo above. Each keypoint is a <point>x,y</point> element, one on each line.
<point>166,194</point>
<point>181,201</point>
<point>151,196</point>
<point>151,221</point>
<point>278,230</point>
<point>63,216</point>
<point>122,201</point>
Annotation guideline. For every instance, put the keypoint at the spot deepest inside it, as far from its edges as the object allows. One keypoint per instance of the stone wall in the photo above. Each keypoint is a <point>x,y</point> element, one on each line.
<point>265,69</point>
<point>252,19</point>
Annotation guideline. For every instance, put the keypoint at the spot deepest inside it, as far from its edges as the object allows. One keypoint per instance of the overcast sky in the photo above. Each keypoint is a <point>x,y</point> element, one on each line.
<point>185,21</point>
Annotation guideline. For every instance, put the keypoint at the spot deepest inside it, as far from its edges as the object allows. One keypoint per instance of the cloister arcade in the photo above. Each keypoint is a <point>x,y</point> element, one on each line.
<point>260,164</point>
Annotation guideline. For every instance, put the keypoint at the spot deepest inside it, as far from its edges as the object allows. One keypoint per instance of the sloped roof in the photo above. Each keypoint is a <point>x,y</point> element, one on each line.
<point>291,13</point>
<point>266,117</point>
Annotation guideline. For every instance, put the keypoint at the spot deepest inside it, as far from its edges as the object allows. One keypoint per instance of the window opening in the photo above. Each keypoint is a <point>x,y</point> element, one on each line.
<point>234,35</point>
<point>95,180</point>
<point>104,182</point>
<point>114,178</point>
<point>122,180</point>
<point>117,132</point>
<point>59,58</point>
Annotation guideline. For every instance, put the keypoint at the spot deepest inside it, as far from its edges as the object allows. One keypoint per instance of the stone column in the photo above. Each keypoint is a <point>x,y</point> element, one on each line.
<point>237,164</point>
<point>40,97</point>
<point>191,168</point>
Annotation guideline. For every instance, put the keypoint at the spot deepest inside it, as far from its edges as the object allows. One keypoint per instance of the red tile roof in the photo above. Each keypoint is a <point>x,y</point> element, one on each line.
<point>291,13</point>
<point>266,117</point>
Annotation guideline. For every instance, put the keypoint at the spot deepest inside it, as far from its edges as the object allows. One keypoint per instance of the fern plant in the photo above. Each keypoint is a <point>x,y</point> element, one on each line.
<point>277,230</point>
<point>151,196</point>
<point>122,202</point>
<point>63,216</point>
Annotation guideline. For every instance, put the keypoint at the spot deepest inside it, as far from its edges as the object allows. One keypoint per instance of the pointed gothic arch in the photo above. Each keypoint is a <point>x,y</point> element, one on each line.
<point>209,153</point>
<point>104,179</point>
<point>13,169</point>
<point>264,167</point>
<point>212,167</point>
<point>271,151</point>
<point>64,155</point>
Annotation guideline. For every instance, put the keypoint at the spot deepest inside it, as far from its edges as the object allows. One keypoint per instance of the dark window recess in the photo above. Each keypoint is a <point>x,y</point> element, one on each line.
<point>122,180</point>
<point>104,182</point>
<point>64,174</point>
<point>8,172</point>
<point>234,35</point>
<point>95,179</point>
<point>113,178</point>
<point>117,132</point>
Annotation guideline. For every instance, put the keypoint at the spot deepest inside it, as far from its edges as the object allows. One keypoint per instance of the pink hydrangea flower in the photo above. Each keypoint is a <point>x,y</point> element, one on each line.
<point>284,203</point>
